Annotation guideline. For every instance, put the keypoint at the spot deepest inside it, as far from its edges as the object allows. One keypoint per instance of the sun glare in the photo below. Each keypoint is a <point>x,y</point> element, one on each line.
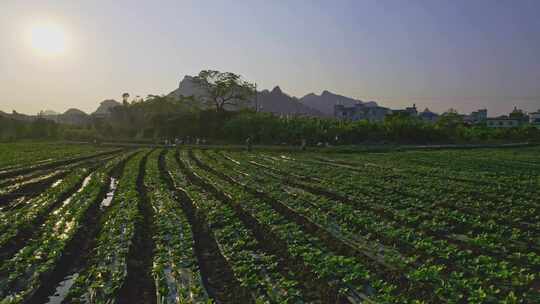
<point>48,39</point>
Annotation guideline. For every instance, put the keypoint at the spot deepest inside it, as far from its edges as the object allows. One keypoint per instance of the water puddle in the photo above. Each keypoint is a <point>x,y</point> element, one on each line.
<point>15,186</point>
<point>56,183</point>
<point>41,178</point>
<point>85,183</point>
<point>108,198</point>
<point>62,289</point>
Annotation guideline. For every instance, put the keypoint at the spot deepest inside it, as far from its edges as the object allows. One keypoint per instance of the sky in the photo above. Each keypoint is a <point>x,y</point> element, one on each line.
<point>440,54</point>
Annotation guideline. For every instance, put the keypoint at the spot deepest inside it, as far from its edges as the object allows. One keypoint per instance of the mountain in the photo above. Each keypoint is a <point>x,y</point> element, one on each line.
<point>279,103</point>
<point>187,87</point>
<point>72,117</point>
<point>49,113</point>
<point>275,101</point>
<point>17,116</point>
<point>104,109</point>
<point>327,100</point>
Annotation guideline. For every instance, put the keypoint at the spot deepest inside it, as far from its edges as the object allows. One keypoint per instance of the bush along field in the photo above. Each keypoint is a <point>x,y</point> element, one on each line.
<point>186,225</point>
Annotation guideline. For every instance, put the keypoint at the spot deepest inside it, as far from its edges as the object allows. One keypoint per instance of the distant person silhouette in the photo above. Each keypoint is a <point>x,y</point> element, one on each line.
<point>248,143</point>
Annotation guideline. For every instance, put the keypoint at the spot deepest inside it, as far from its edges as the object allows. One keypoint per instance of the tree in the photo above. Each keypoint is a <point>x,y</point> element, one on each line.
<point>125,97</point>
<point>224,89</point>
<point>450,119</point>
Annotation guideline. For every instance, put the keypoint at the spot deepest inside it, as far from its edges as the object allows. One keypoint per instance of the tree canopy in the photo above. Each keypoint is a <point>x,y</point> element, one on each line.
<point>224,88</point>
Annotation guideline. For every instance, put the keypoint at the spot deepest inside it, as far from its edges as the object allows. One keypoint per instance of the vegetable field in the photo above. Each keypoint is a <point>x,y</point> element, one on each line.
<point>81,224</point>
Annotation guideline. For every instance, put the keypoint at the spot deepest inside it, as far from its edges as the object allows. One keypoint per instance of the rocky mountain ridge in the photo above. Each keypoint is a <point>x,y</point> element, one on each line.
<point>271,101</point>
<point>278,102</point>
<point>325,102</point>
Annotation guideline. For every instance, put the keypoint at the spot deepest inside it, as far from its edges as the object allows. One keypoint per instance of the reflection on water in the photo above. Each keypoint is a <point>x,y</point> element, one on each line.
<point>62,289</point>
<point>69,199</point>
<point>108,199</point>
<point>56,183</point>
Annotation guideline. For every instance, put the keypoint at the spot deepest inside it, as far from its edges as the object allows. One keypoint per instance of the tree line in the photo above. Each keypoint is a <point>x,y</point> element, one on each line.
<point>159,118</point>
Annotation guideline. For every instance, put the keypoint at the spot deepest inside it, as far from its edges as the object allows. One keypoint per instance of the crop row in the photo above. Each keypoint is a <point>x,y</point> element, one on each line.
<point>443,210</point>
<point>352,278</point>
<point>175,268</point>
<point>19,223</point>
<point>23,275</point>
<point>107,270</point>
<point>254,268</point>
<point>15,156</point>
<point>24,187</point>
<point>341,217</point>
<point>478,167</point>
<point>207,226</point>
<point>476,191</point>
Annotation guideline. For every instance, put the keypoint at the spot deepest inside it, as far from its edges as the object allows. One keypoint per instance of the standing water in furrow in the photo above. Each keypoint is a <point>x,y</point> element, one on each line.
<point>19,225</point>
<point>31,184</point>
<point>77,256</point>
<point>175,268</point>
<point>35,269</point>
<point>110,195</point>
<point>28,188</point>
<point>106,270</point>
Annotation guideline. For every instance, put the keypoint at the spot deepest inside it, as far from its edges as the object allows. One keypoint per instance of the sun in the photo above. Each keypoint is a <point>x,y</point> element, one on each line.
<point>48,39</point>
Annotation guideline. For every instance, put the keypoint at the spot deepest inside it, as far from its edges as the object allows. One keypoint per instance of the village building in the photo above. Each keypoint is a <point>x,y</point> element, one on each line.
<point>534,118</point>
<point>477,117</point>
<point>410,111</point>
<point>361,112</point>
<point>503,122</point>
<point>516,118</point>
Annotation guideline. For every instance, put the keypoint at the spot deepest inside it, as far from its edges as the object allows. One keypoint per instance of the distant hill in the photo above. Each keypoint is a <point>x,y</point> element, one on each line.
<point>187,87</point>
<point>105,107</point>
<point>277,102</point>
<point>73,117</point>
<point>17,116</point>
<point>327,100</point>
<point>49,113</point>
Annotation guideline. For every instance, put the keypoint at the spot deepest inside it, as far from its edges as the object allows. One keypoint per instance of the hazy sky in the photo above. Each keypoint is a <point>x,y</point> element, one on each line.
<point>465,54</point>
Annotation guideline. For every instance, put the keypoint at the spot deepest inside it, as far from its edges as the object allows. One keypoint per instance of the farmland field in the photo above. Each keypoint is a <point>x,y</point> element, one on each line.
<point>83,224</point>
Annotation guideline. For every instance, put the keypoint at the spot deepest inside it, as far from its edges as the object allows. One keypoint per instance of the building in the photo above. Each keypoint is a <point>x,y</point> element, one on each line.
<point>411,111</point>
<point>515,119</point>
<point>519,115</point>
<point>361,112</point>
<point>428,116</point>
<point>344,113</point>
<point>503,122</point>
<point>534,118</point>
<point>376,113</point>
<point>478,116</point>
